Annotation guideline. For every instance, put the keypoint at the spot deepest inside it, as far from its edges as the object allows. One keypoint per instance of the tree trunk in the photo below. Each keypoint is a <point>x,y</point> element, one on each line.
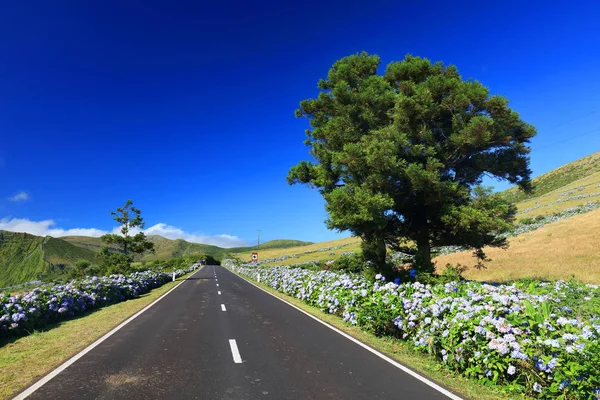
<point>375,250</point>
<point>423,257</point>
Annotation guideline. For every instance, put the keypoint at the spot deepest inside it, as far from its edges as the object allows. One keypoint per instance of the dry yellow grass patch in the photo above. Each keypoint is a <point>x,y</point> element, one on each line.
<point>349,244</point>
<point>556,251</point>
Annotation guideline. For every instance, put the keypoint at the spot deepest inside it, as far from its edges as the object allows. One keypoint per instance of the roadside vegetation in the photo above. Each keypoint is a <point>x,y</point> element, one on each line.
<point>25,359</point>
<point>534,338</point>
<point>451,269</point>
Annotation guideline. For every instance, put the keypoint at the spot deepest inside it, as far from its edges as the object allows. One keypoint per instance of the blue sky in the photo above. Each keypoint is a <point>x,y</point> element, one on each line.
<point>187,108</point>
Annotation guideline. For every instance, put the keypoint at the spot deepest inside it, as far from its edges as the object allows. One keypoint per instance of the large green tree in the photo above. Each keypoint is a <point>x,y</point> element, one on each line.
<point>399,156</point>
<point>130,218</point>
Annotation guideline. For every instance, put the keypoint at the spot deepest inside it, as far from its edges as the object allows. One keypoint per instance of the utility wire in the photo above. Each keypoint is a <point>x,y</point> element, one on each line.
<point>571,120</point>
<point>567,139</point>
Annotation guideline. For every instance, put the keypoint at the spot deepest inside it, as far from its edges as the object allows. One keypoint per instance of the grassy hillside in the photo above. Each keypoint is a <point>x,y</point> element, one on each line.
<point>556,251</point>
<point>169,248</point>
<point>312,252</point>
<point>59,252</point>
<point>25,257</point>
<point>21,258</point>
<point>576,193</point>
<point>92,243</point>
<point>558,178</point>
<point>273,244</point>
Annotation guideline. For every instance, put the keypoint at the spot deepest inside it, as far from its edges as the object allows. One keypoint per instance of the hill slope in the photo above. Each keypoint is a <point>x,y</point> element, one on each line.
<point>169,248</point>
<point>558,178</point>
<point>25,257</point>
<point>556,251</point>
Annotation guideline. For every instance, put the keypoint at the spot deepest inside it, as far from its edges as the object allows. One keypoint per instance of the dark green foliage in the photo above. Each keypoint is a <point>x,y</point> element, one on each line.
<point>186,261</point>
<point>129,218</point>
<point>349,263</point>
<point>79,271</point>
<point>400,156</point>
<point>449,274</point>
<point>113,262</point>
<point>129,245</point>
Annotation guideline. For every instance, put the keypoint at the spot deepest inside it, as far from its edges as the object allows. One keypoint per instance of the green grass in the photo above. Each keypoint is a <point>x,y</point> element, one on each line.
<point>559,199</point>
<point>405,355</point>
<point>25,257</point>
<point>24,360</point>
<point>311,252</point>
<point>60,252</point>
<point>558,178</point>
<point>168,248</point>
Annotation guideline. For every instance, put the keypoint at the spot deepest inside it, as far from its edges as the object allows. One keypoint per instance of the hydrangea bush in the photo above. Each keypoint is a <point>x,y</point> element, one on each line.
<point>535,338</point>
<point>40,307</point>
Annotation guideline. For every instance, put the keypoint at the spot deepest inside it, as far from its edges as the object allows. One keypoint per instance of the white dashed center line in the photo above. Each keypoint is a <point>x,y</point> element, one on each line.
<point>223,307</point>
<point>218,291</point>
<point>237,358</point>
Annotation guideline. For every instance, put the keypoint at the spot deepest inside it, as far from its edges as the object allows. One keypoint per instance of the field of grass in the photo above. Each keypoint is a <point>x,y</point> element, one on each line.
<point>26,359</point>
<point>312,252</point>
<point>558,178</point>
<point>556,251</point>
<point>576,193</point>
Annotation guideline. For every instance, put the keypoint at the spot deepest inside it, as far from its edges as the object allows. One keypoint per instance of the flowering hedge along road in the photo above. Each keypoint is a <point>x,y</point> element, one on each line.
<point>22,314</point>
<point>535,338</point>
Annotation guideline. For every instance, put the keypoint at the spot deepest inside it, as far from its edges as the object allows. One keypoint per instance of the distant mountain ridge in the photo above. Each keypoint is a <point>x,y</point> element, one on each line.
<point>167,248</point>
<point>25,257</point>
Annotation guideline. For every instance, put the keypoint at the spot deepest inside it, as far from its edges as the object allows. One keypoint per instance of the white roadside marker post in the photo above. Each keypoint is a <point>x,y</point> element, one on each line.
<point>173,276</point>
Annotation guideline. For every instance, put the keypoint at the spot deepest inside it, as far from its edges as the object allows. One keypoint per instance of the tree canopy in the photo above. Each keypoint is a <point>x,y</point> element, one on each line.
<point>129,218</point>
<point>399,156</point>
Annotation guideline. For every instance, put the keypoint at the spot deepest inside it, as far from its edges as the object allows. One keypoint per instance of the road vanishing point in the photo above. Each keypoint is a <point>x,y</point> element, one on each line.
<point>218,336</point>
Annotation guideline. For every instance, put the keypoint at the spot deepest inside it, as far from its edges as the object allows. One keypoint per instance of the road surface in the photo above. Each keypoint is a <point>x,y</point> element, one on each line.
<point>217,336</point>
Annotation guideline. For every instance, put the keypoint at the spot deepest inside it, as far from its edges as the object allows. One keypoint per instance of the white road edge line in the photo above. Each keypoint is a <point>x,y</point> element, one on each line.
<point>223,307</point>
<point>396,364</point>
<point>218,291</point>
<point>237,358</point>
<point>26,393</point>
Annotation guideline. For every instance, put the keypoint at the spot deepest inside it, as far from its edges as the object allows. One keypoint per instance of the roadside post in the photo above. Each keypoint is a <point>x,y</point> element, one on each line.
<point>173,276</point>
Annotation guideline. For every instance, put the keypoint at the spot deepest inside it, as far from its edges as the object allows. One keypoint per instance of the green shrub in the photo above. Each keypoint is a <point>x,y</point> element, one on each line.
<point>349,263</point>
<point>526,221</point>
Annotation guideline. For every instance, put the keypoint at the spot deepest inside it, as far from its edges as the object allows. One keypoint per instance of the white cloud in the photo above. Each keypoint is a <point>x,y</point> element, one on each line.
<point>45,228</point>
<point>172,232</point>
<point>48,228</point>
<point>21,196</point>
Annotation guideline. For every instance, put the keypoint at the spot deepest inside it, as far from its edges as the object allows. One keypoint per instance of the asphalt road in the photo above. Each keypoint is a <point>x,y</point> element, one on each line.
<point>184,347</point>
